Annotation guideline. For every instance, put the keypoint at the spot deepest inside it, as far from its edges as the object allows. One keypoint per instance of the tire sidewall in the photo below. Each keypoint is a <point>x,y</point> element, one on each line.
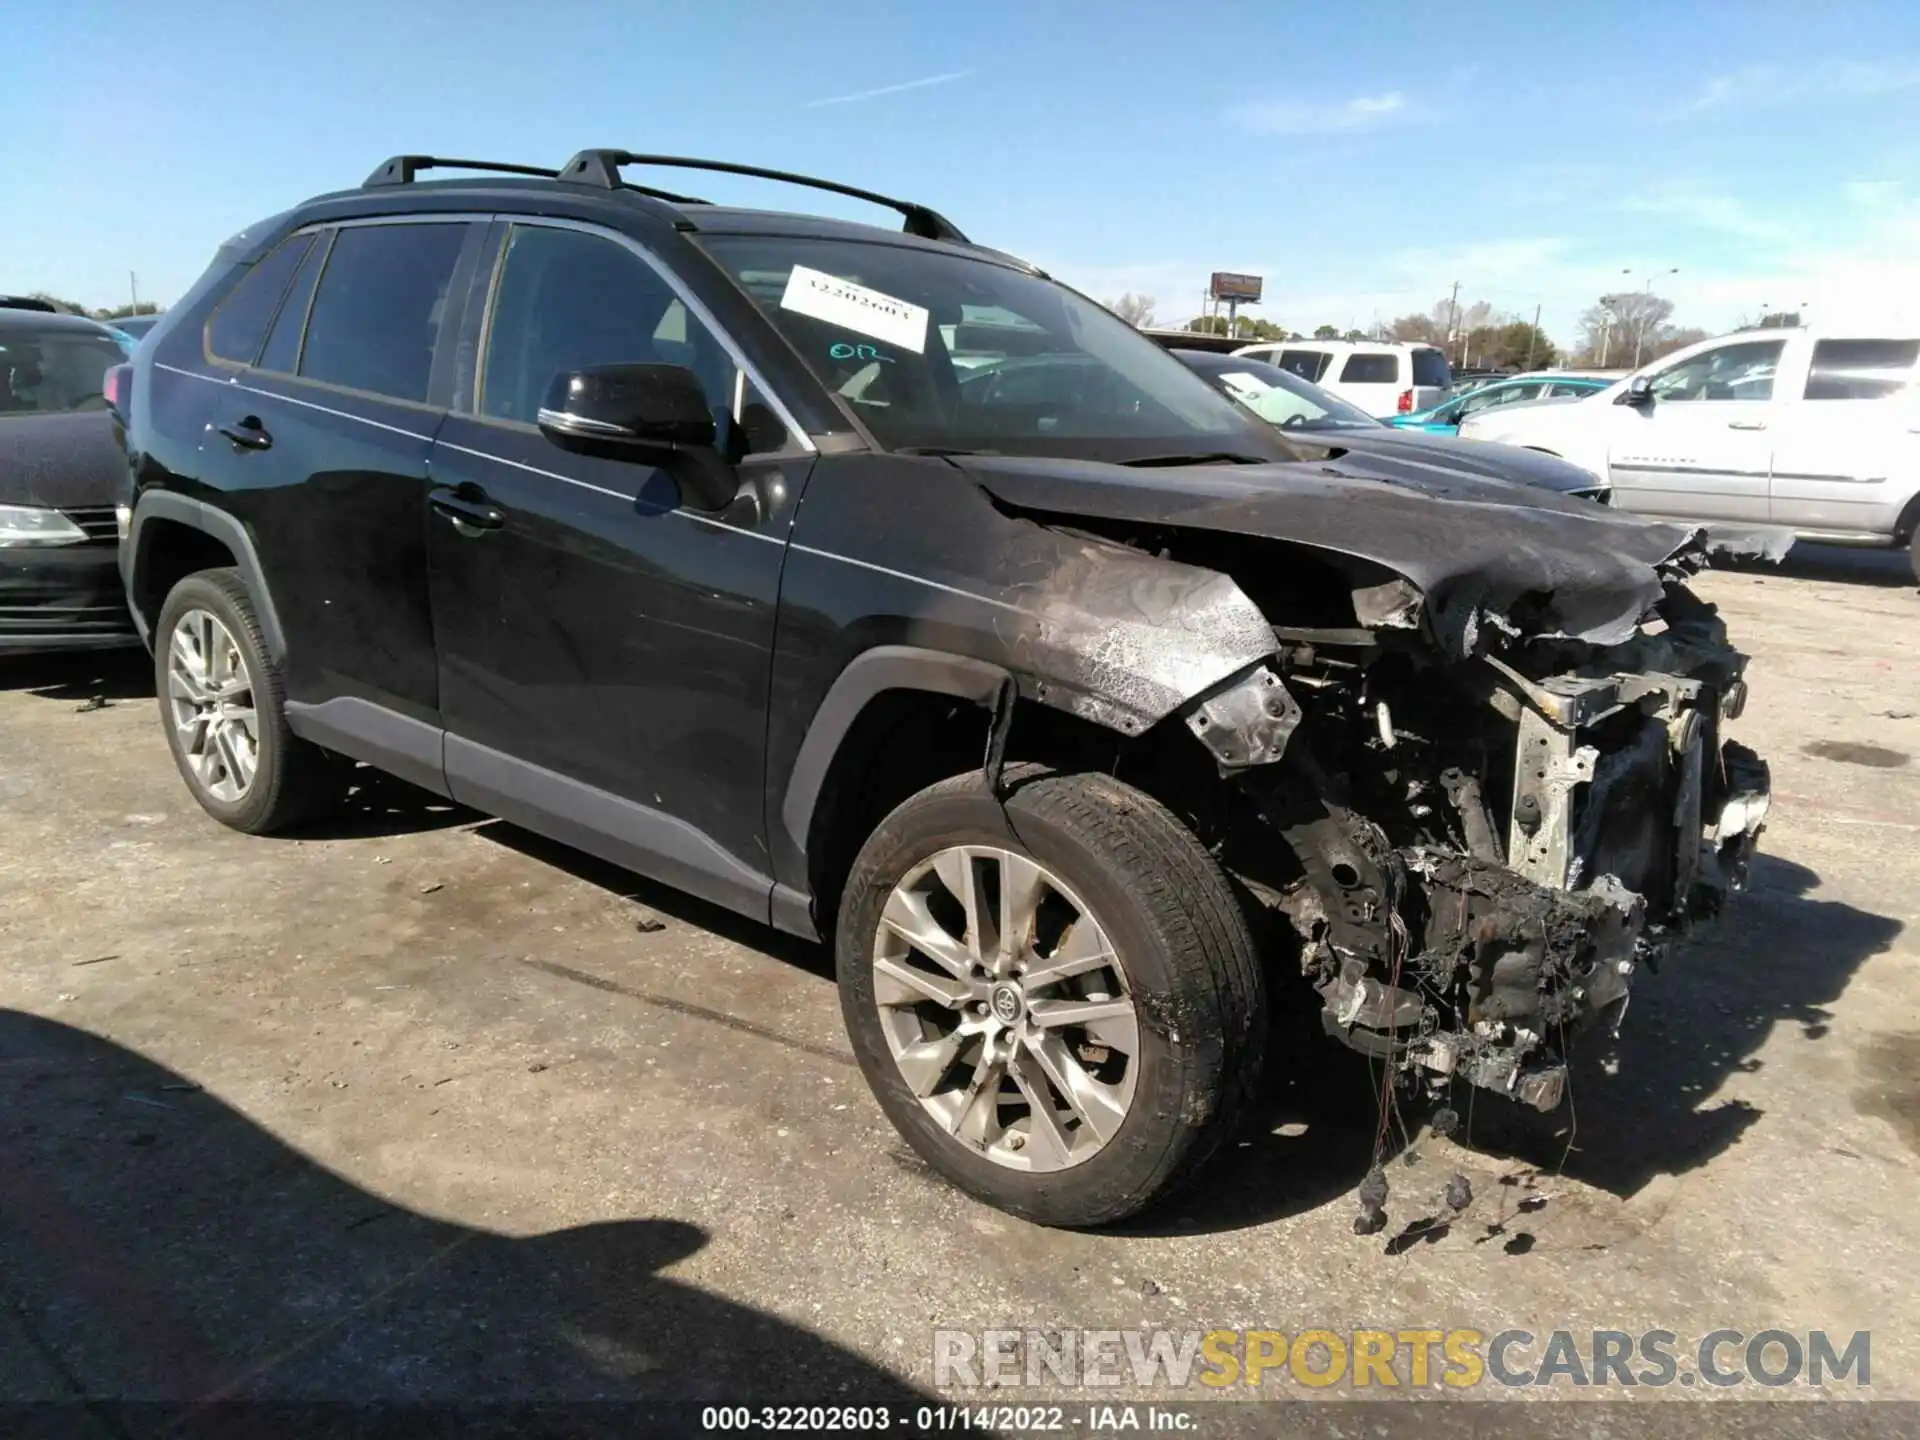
<point>203,592</point>
<point>1107,1184</point>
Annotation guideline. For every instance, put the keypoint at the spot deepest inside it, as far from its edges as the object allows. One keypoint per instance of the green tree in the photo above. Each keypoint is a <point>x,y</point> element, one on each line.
<point>1208,324</point>
<point>1511,345</point>
<point>120,312</point>
<point>1325,332</point>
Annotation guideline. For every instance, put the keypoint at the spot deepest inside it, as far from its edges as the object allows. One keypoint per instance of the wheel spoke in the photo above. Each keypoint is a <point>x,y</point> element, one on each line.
<point>978,1119</point>
<point>955,869</point>
<point>1023,885</point>
<point>1082,949</point>
<point>229,761</point>
<point>907,916</point>
<point>1093,1102</point>
<point>1047,1144</point>
<point>1052,1014</point>
<point>895,982</point>
<point>925,1064</point>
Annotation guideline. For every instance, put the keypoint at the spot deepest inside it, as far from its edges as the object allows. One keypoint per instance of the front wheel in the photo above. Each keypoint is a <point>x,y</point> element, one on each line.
<point>1056,1001</point>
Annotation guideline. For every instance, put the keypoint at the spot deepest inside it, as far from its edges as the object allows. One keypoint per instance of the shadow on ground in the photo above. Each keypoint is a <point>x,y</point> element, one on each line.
<point>157,1244</point>
<point>1778,957</point>
<point>86,677</point>
<point>1844,563</point>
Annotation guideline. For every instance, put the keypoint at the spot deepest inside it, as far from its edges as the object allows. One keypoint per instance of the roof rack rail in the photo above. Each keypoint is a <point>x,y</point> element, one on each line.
<point>402,169</point>
<point>602,167</point>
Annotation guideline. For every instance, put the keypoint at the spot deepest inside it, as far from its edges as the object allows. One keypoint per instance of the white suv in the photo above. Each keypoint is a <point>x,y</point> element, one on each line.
<point>1816,430</point>
<point>1381,378</point>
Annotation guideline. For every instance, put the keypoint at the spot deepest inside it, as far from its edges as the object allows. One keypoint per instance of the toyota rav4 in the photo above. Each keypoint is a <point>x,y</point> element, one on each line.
<point>877,586</point>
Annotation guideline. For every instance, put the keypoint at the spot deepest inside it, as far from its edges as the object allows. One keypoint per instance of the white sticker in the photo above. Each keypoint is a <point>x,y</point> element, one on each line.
<point>854,307</point>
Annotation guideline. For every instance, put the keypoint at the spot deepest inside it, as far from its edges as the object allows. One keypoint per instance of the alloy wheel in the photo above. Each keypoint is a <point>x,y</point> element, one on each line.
<point>210,695</point>
<point>1005,1008</point>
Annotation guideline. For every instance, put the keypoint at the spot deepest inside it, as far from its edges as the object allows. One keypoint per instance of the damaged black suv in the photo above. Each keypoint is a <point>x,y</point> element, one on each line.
<point>874,585</point>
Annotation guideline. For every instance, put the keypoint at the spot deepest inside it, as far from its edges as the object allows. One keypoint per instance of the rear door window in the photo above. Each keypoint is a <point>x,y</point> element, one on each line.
<point>1430,368</point>
<point>376,317</point>
<point>1861,369</point>
<point>239,324</point>
<point>1307,364</point>
<point>1371,370</point>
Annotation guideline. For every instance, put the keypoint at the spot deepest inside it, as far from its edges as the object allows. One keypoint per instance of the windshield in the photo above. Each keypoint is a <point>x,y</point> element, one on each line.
<point>938,351</point>
<point>47,371</point>
<point>1278,396</point>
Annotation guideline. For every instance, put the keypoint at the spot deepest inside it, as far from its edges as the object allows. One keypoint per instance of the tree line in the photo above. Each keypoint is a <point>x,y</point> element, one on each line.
<point>1621,331</point>
<point>114,312</point>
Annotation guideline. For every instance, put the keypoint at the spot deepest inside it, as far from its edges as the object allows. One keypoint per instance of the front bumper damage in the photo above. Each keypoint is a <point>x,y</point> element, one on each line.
<point>1473,937</point>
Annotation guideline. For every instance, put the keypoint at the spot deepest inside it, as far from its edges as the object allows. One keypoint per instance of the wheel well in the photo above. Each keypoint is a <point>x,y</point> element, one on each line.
<point>1908,523</point>
<point>905,740</point>
<point>169,552</point>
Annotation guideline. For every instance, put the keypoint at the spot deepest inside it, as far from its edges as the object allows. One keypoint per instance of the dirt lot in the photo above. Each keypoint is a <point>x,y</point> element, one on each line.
<point>427,1107</point>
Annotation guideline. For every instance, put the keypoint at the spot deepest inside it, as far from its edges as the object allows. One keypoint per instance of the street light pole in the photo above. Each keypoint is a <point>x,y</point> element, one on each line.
<point>1640,330</point>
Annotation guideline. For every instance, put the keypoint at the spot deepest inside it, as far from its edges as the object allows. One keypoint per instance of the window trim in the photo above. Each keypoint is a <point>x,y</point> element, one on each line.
<point>744,369</point>
<point>324,235</point>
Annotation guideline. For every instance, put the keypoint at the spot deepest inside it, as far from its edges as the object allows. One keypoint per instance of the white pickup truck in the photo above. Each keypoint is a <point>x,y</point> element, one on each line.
<point>1816,430</point>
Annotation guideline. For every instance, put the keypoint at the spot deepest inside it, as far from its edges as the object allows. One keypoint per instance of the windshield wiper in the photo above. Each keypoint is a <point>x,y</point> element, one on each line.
<point>1209,457</point>
<point>938,450</point>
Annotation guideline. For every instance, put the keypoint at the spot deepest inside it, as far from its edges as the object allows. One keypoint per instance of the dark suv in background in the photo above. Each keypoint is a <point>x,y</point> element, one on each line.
<point>874,585</point>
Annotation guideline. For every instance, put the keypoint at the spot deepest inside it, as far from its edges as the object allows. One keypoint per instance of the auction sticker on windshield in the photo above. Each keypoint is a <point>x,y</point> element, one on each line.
<point>855,307</point>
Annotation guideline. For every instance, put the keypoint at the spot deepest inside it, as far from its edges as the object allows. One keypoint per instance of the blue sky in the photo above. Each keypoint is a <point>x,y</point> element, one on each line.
<point>1361,158</point>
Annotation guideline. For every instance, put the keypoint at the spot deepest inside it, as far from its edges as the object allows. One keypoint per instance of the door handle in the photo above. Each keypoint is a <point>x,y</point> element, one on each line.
<point>1746,424</point>
<point>247,433</point>
<point>471,513</point>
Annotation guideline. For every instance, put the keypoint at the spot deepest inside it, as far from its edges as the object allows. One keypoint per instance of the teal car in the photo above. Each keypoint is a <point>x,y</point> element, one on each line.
<point>1445,418</point>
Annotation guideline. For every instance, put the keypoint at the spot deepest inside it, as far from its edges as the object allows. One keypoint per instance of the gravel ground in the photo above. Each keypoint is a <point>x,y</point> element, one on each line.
<point>428,1108</point>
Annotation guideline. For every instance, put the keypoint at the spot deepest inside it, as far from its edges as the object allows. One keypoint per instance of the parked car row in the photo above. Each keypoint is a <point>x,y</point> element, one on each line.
<point>1812,429</point>
<point>872,584</point>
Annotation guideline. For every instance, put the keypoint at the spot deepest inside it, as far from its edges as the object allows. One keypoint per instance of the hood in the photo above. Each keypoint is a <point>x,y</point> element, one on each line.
<point>1472,555</point>
<point>1523,467</point>
<point>60,461</point>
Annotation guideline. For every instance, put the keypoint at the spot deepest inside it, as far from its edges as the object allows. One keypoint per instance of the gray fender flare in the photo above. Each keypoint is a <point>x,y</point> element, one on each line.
<point>885,667</point>
<point>198,515</point>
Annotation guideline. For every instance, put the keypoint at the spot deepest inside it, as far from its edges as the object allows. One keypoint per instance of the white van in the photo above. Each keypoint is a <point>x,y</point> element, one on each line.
<point>1381,377</point>
<point>1814,429</point>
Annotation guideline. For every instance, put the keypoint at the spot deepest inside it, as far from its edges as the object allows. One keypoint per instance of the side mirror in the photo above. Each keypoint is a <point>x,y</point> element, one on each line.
<point>651,414</point>
<point>1639,392</point>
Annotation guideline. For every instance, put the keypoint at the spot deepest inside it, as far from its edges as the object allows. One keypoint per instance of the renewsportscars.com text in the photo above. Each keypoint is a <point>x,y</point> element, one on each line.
<point>1223,1360</point>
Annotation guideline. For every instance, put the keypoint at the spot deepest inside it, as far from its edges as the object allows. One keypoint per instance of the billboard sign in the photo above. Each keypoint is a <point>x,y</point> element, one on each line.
<point>1242,289</point>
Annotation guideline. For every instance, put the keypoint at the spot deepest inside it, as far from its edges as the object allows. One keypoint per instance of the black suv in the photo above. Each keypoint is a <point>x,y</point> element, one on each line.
<point>875,585</point>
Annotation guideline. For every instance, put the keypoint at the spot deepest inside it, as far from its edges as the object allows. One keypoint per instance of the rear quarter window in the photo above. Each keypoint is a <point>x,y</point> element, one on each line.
<point>239,324</point>
<point>1861,369</point>
<point>1430,368</point>
<point>1371,370</point>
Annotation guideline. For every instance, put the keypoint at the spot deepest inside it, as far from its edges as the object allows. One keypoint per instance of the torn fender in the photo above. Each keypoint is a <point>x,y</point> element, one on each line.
<point>1474,550</point>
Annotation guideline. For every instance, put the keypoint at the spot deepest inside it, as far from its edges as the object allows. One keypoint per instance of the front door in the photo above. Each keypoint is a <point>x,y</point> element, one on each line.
<point>1700,448</point>
<point>604,650</point>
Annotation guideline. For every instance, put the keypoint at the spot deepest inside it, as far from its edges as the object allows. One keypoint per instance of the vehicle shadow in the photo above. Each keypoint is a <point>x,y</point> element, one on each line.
<point>82,676</point>
<point>158,1245</point>
<point>1643,1106</point>
<point>381,804</point>
<point>1845,563</point>
<point>808,955</point>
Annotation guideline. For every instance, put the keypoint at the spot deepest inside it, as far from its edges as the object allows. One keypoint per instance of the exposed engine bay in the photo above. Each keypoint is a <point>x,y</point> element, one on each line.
<point>1478,769</point>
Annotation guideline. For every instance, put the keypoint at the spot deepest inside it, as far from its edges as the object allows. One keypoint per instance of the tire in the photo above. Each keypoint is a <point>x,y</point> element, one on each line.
<point>1183,956</point>
<point>1913,555</point>
<point>291,780</point>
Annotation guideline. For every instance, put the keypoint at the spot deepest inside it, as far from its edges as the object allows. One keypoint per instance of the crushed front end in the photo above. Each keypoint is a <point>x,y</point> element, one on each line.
<point>1483,847</point>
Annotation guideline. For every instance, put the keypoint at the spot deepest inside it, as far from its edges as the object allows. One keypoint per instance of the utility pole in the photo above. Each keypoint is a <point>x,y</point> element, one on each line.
<point>1533,335</point>
<point>1606,331</point>
<point>1453,314</point>
<point>133,286</point>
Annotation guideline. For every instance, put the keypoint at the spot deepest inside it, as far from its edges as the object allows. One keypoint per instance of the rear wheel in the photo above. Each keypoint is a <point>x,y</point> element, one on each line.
<point>1057,1002</point>
<point>1913,555</point>
<point>222,702</point>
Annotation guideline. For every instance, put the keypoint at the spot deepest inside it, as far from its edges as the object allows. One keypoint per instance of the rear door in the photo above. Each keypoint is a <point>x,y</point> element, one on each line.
<point>1372,380</point>
<point>604,650</point>
<point>1432,377</point>
<point>1700,450</point>
<point>320,439</point>
<point>1846,452</point>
